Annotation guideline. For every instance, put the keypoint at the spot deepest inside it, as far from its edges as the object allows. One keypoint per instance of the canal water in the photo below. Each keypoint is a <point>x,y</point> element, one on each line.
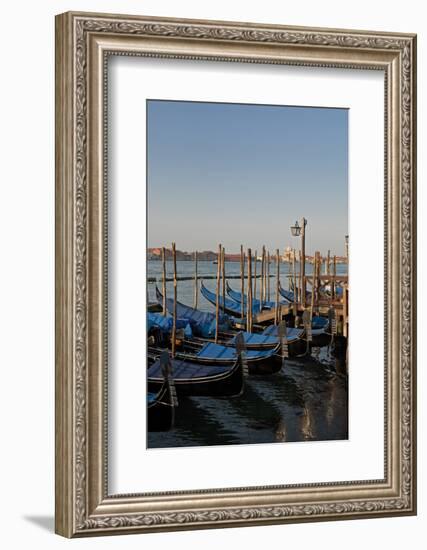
<point>306,401</point>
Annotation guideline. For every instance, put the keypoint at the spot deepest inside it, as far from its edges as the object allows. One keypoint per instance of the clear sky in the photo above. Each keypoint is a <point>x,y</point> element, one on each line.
<point>242,174</point>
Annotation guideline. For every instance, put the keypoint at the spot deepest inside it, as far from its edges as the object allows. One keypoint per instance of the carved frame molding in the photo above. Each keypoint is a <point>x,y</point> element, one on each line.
<point>83,43</point>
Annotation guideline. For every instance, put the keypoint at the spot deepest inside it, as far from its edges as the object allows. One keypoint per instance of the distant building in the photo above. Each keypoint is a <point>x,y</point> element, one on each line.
<point>232,257</point>
<point>156,254</point>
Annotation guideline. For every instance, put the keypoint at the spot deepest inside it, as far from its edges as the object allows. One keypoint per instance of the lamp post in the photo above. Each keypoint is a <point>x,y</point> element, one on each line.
<point>296,231</point>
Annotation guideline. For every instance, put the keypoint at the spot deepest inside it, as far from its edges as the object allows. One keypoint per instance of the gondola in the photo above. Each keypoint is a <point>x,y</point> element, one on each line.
<point>202,323</point>
<point>232,306</point>
<point>266,340</point>
<point>226,305</point>
<point>165,323</point>
<point>237,297</point>
<point>319,325</point>
<point>161,405</point>
<point>288,295</point>
<point>258,361</point>
<point>253,340</point>
<point>196,379</point>
<point>292,334</point>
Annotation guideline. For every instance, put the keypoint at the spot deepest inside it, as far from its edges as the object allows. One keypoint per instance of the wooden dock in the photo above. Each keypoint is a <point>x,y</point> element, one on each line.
<point>322,308</point>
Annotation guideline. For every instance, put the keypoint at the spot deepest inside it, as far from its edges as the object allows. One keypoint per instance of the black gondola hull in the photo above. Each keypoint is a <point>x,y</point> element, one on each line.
<point>227,384</point>
<point>294,347</point>
<point>263,365</point>
<point>161,413</point>
<point>226,339</point>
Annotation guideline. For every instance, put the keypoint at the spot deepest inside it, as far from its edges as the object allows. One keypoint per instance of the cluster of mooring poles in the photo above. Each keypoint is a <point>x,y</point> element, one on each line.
<point>300,303</point>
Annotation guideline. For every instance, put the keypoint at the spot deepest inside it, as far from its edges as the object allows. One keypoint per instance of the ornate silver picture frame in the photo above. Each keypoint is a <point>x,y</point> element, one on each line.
<point>84,506</point>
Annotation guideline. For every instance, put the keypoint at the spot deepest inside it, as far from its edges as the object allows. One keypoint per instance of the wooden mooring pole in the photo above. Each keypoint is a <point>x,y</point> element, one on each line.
<point>242,275</point>
<point>294,275</point>
<point>316,274</point>
<point>303,291</point>
<point>345,310</point>
<point>249,299</point>
<point>196,281</point>
<point>278,313</point>
<point>164,280</point>
<point>218,277</point>
<point>268,276</point>
<point>313,291</point>
<point>223,276</point>
<point>262,282</point>
<point>264,286</point>
<point>254,292</point>
<point>175,297</point>
<point>334,275</point>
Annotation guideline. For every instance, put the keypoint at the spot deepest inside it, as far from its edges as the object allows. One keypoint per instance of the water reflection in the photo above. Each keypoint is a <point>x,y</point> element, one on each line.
<point>306,401</point>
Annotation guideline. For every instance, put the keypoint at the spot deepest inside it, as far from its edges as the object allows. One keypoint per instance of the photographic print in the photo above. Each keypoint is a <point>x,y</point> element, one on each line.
<point>219,185</point>
<point>247,273</point>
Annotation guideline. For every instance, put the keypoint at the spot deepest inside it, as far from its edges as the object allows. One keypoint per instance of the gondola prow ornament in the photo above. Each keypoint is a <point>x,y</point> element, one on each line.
<point>306,321</point>
<point>283,338</point>
<point>332,316</point>
<point>241,352</point>
<point>166,367</point>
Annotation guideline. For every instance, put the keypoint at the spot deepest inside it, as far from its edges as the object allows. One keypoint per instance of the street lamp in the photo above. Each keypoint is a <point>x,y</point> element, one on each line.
<point>296,231</point>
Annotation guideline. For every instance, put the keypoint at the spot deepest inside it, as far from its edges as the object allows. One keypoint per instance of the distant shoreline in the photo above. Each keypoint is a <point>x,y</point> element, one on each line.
<point>190,258</point>
<point>206,255</point>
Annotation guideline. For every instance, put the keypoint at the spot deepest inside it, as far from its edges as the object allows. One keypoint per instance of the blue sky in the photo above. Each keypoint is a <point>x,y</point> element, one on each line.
<point>242,174</point>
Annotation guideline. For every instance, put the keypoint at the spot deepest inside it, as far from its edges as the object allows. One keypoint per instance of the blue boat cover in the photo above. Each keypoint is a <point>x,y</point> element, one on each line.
<point>286,294</point>
<point>231,305</point>
<point>202,323</point>
<point>292,333</point>
<point>289,295</point>
<point>319,322</point>
<point>183,370</point>
<point>319,325</point>
<point>165,324</point>
<point>237,297</point>
<point>258,339</point>
<point>215,351</point>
